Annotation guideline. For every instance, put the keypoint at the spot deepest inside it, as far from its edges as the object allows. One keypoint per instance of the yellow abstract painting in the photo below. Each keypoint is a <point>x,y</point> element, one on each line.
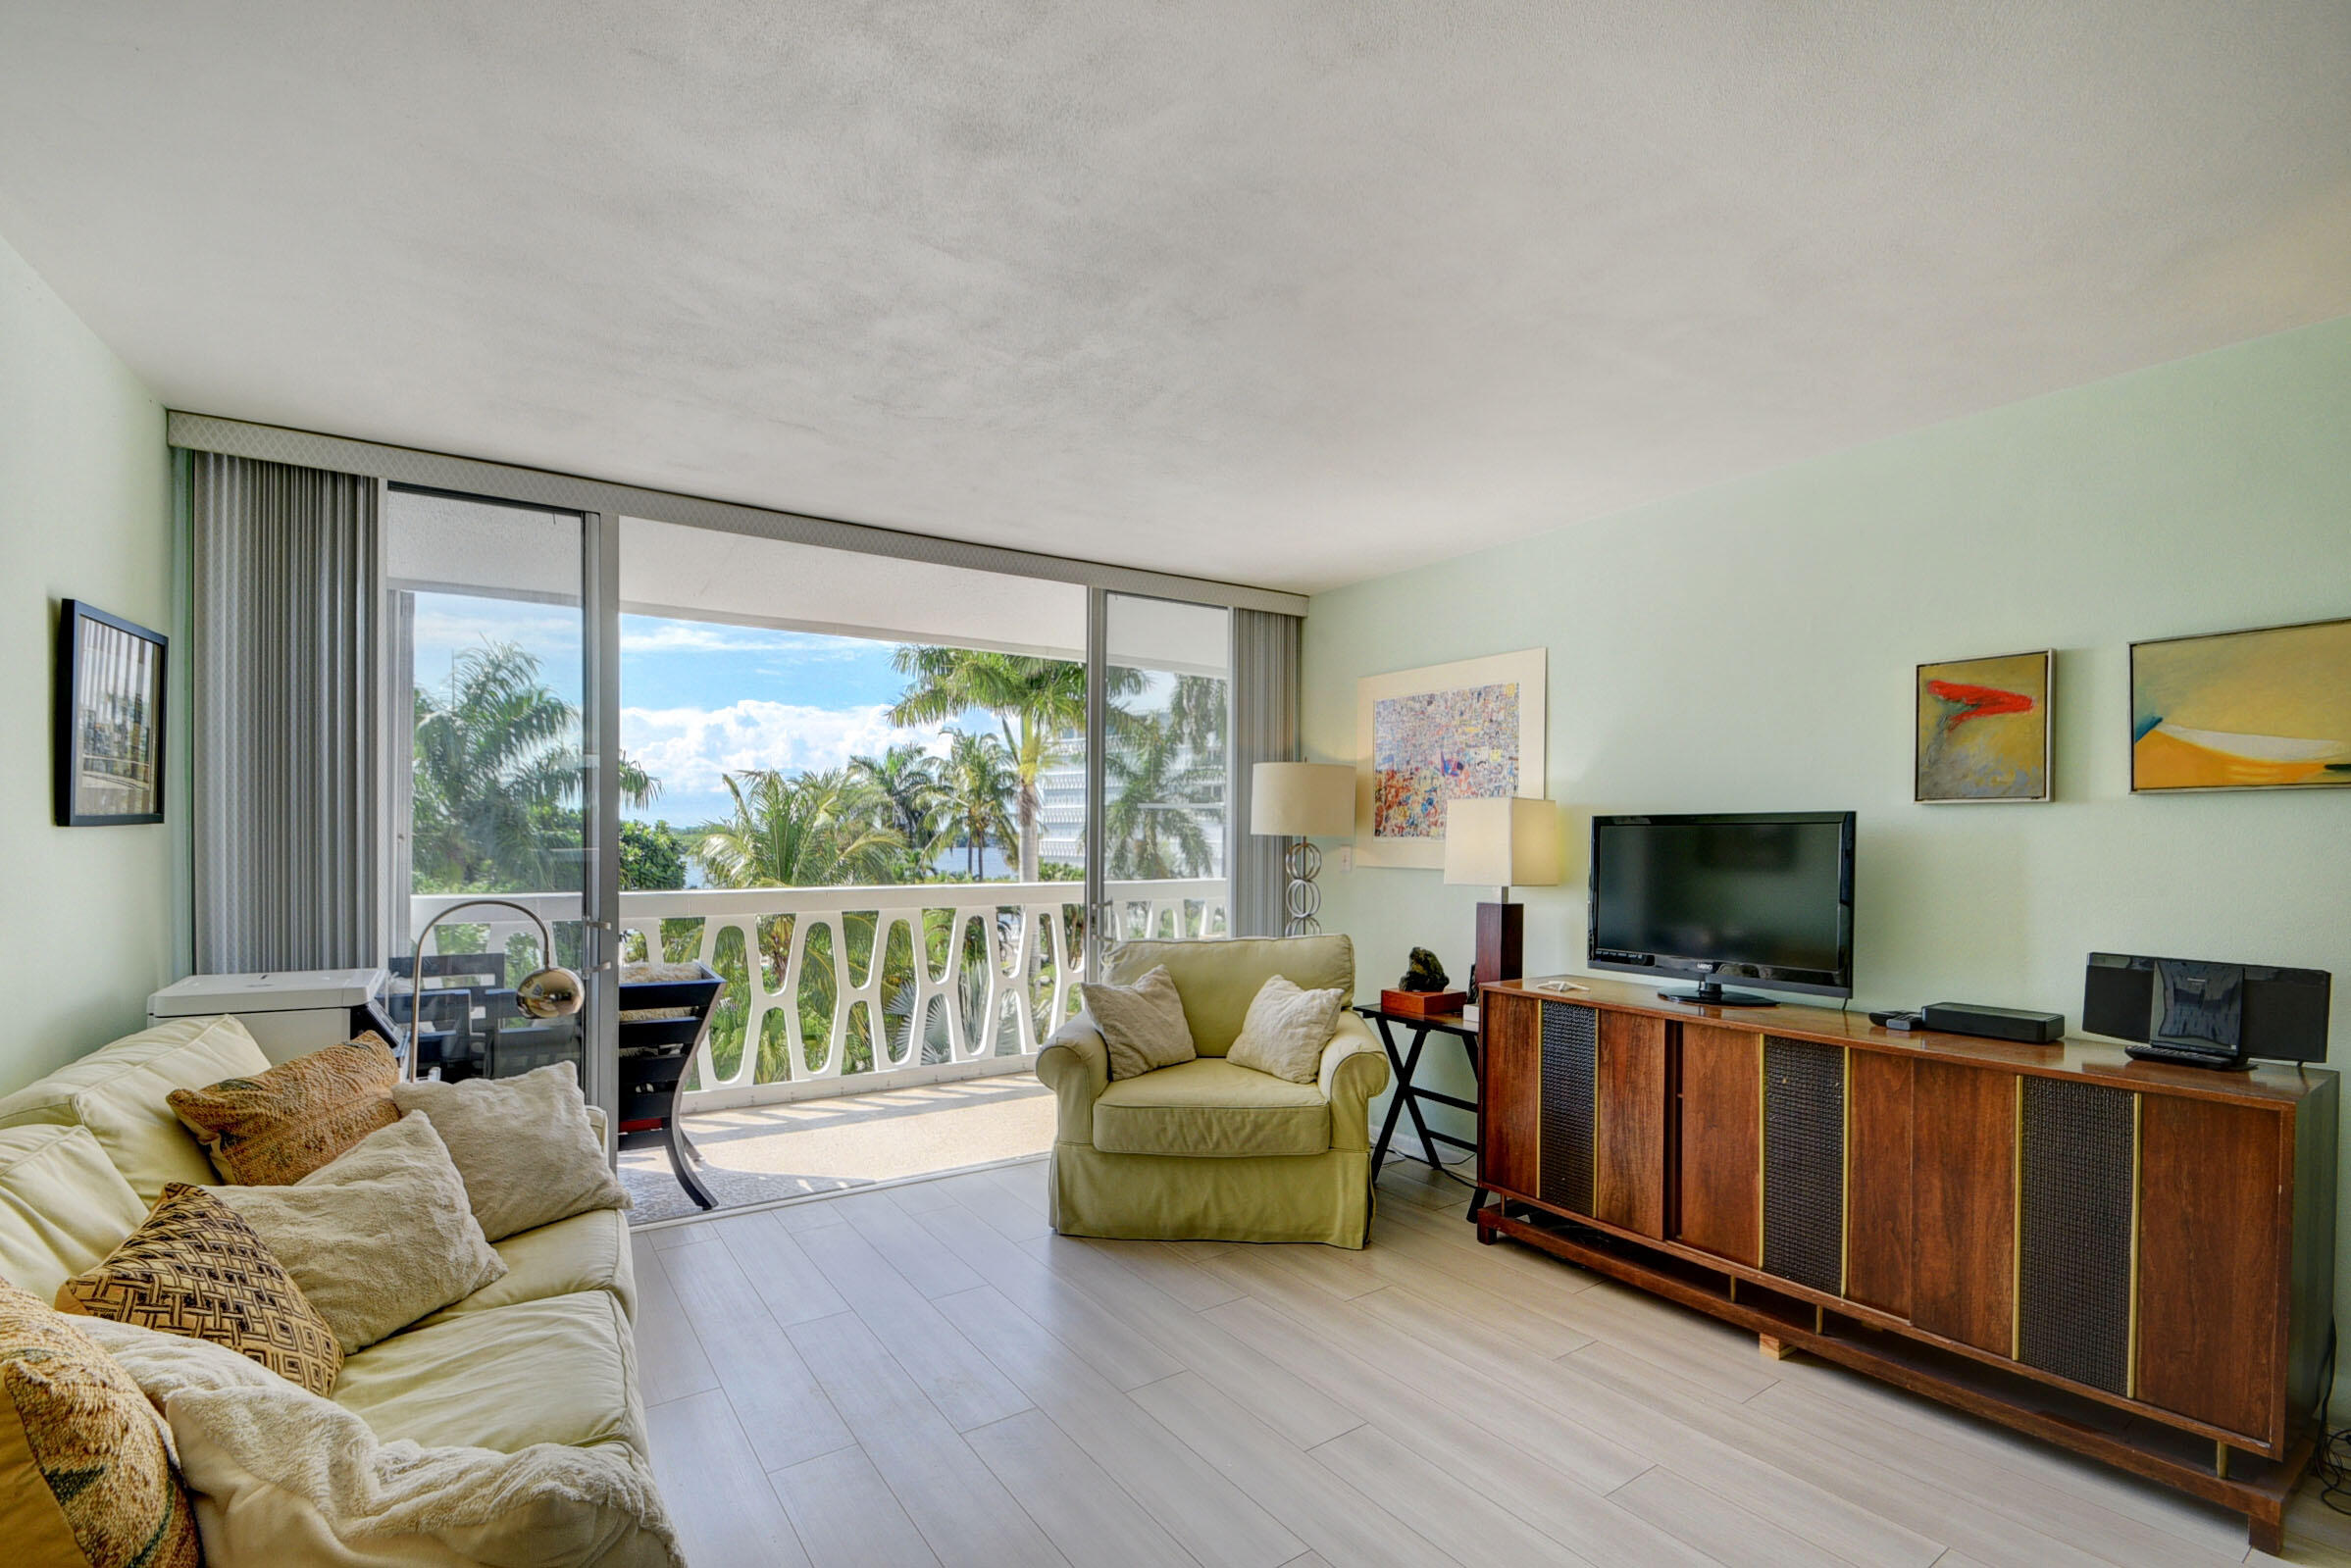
<point>2242,709</point>
<point>1983,729</point>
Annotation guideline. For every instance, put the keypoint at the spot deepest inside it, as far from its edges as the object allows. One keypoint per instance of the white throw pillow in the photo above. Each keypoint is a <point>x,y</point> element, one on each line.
<point>1286,1031</point>
<point>279,1475</point>
<point>377,1236</point>
<point>1142,1024</point>
<point>525,1146</point>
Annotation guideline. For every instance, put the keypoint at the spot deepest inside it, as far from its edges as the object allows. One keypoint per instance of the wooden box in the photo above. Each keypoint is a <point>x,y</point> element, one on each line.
<point>1423,1003</point>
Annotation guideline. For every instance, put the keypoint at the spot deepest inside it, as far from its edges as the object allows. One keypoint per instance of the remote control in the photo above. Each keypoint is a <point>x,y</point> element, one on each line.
<point>1905,1022</point>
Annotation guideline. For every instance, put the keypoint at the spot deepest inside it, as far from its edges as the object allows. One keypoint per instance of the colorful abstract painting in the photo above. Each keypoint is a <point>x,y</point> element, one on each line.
<point>1451,731</point>
<point>1983,729</point>
<point>2268,709</point>
<point>1436,747</point>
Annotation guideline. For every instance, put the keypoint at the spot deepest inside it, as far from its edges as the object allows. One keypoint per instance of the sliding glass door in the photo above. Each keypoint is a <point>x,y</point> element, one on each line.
<point>495,786</point>
<point>1163,831</point>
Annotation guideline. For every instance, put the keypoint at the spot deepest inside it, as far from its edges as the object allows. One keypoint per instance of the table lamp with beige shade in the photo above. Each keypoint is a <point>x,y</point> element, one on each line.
<point>1299,801</point>
<point>1500,842</point>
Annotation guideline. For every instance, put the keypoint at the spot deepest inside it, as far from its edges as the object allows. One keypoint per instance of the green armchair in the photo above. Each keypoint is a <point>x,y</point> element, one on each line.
<point>1209,1150</point>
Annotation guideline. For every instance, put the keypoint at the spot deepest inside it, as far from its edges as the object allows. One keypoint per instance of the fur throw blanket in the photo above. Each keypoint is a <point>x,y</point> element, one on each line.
<point>281,1476</point>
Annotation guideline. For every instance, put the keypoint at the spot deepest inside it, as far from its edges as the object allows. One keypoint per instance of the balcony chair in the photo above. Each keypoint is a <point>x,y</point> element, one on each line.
<point>1207,1150</point>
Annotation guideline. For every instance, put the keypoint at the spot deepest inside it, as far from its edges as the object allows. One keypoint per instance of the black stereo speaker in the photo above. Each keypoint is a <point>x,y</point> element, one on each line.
<point>2212,1014</point>
<point>1994,1022</point>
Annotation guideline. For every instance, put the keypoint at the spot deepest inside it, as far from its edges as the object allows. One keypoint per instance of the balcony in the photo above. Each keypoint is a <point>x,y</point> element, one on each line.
<point>830,1009</point>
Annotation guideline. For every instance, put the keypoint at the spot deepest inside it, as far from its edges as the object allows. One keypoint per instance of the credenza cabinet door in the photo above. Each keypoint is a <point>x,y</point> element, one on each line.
<point>1719,1132</point>
<point>1964,1204</point>
<point>1628,1158</point>
<point>2211,1230</point>
<point>1512,1103</point>
<point>1878,1182</point>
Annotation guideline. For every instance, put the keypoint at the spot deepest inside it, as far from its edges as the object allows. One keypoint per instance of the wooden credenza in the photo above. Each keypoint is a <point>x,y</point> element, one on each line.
<point>2131,1259</point>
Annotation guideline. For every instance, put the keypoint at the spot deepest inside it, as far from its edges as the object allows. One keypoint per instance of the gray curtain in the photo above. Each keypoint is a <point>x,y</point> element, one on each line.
<point>286,715</point>
<point>1266,659</point>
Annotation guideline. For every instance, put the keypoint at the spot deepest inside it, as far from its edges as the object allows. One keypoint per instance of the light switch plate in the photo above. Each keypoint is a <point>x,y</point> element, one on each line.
<point>1345,859</point>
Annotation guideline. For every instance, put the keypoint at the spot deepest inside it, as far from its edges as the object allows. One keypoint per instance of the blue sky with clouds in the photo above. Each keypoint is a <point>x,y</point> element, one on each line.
<point>698,699</point>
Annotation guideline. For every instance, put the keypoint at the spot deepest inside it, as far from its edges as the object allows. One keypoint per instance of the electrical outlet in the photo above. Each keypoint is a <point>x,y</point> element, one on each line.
<point>1344,858</point>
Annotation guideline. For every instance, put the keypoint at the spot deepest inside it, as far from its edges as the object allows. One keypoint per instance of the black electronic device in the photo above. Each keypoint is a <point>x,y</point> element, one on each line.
<point>1995,1023</point>
<point>1764,897</point>
<point>2206,1013</point>
<point>1902,1022</point>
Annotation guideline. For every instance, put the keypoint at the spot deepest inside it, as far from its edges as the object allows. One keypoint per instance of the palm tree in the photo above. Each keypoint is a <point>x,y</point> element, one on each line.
<point>826,829</point>
<point>1196,712</point>
<point>811,829</point>
<point>497,766</point>
<point>975,780</point>
<point>1153,823</point>
<point>907,777</point>
<point>1039,703</point>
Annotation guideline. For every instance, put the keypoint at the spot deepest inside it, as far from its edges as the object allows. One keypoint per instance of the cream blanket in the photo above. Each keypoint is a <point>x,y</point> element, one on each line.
<point>280,1476</point>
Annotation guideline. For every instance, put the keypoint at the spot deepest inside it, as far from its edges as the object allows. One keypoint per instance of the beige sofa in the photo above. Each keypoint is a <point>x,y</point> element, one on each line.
<point>545,1355</point>
<point>1207,1150</point>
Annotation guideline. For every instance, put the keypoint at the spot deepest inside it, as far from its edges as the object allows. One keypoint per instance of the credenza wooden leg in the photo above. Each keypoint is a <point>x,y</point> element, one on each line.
<point>1772,1348</point>
<point>2266,1528</point>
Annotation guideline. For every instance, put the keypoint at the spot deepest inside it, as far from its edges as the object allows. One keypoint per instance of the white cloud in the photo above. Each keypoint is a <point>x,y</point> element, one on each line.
<point>690,750</point>
<point>647,635</point>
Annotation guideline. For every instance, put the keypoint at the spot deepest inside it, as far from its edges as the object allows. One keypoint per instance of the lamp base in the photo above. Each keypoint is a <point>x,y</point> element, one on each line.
<point>1302,898</point>
<point>1501,945</point>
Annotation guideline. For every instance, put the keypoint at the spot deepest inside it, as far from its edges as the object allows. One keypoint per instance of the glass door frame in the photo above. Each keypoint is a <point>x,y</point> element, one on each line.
<point>600,818</point>
<point>1102,917</point>
<point>599,789</point>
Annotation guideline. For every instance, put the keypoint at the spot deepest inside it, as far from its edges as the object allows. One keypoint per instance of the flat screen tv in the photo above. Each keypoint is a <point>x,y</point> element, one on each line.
<point>1764,897</point>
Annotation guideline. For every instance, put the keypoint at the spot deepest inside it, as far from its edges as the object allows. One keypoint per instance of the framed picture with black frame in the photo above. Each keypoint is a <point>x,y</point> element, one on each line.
<point>109,719</point>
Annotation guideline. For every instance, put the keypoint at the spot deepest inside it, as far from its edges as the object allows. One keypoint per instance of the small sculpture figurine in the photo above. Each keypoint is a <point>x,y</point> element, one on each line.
<point>1422,973</point>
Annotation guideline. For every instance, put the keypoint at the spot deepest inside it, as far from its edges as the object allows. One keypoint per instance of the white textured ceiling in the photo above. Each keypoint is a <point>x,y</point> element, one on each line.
<point>1282,292</point>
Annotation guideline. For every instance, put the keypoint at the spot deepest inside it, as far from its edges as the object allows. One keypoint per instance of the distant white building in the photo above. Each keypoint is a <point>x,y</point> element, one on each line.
<point>1061,795</point>
<point>1062,810</point>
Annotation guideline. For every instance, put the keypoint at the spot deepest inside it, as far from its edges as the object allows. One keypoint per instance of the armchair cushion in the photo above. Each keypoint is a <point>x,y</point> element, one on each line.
<point>1286,1030</point>
<point>1143,1024</point>
<point>1212,1107</point>
<point>1218,978</point>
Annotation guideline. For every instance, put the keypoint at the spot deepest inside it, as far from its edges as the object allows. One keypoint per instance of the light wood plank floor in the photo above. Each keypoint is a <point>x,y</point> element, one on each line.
<point>925,1375</point>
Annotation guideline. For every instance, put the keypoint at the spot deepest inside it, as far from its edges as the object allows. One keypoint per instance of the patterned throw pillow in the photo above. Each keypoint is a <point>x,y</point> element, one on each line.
<point>1142,1025</point>
<point>280,1126</point>
<point>195,1268</point>
<point>83,1463</point>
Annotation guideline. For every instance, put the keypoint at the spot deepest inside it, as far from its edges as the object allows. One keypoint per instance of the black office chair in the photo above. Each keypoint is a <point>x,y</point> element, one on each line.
<point>452,1030</point>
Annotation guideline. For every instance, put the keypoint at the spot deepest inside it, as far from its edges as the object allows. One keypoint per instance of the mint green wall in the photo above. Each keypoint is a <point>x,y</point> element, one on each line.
<point>1751,648</point>
<point>86,927</point>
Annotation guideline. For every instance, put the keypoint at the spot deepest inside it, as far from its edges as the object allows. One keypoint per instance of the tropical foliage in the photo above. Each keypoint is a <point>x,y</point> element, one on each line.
<point>652,857</point>
<point>825,828</point>
<point>1156,814</point>
<point>977,777</point>
<point>496,781</point>
<point>1039,703</point>
<point>908,777</point>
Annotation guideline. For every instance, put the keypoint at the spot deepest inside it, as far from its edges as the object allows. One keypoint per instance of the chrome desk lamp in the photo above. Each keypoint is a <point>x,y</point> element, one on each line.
<point>551,991</point>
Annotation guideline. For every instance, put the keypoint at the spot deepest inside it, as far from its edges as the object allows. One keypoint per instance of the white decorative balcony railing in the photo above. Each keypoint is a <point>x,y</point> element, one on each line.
<point>847,989</point>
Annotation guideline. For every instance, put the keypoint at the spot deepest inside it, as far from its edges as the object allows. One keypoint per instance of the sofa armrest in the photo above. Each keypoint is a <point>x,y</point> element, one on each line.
<point>1076,1065</point>
<point>1353,1069</point>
